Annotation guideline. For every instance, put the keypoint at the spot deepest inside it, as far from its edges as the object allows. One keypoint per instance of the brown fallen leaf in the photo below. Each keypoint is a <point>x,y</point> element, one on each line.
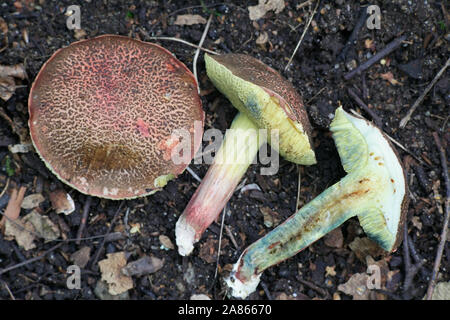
<point>18,230</point>
<point>143,266</point>
<point>13,208</point>
<point>271,218</point>
<point>363,247</point>
<point>208,249</point>
<point>356,287</point>
<point>32,201</point>
<point>42,226</point>
<point>390,77</point>
<point>111,269</point>
<point>81,257</point>
<point>166,242</point>
<point>189,19</point>
<point>16,71</point>
<point>334,239</point>
<point>7,87</point>
<point>62,202</point>
<point>263,6</point>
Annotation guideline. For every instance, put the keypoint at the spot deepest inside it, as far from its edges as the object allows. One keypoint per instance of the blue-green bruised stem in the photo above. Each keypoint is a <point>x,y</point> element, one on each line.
<point>374,190</point>
<point>238,150</point>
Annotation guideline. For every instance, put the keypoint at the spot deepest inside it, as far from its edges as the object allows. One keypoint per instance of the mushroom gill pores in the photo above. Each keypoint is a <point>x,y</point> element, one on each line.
<point>102,112</point>
<point>374,189</point>
<point>265,100</point>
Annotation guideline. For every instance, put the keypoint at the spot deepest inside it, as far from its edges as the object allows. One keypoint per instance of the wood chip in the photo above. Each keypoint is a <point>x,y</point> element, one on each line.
<point>166,242</point>
<point>143,266</point>
<point>81,257</point>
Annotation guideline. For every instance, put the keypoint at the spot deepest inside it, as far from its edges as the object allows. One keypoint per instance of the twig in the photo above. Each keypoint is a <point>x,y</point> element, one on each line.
<point>437,261</point>
<point>311,285</point>
<point>366,108</point>
<point>9,291</point>
<point>391,46</point>
<point>352,39</point>
<point>87,206</point>
<point>419,100</point>
<point>205,32</point>
<point>303,35</point>
<point>230,235</point>
<point>102,244</point>
<point>26,262</point>
<point>266,290</point>
<point>410,269</point>
<point>177,40</point>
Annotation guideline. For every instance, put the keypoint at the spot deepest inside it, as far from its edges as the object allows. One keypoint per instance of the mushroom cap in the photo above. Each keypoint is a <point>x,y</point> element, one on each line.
<point>267,98</point>
<point>102,113</point>
<point>373,163</point>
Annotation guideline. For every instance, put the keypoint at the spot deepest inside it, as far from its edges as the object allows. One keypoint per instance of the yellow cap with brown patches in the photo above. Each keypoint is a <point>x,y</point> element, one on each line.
<point>267,98</point>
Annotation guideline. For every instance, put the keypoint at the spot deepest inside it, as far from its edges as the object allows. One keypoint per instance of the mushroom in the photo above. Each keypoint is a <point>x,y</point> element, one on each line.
<point>374,189</point>
<point>265,100</point>
<point>102,112</point>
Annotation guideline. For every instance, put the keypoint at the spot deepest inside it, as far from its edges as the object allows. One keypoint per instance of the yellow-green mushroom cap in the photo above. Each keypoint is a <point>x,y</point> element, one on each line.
<point>267,98</point>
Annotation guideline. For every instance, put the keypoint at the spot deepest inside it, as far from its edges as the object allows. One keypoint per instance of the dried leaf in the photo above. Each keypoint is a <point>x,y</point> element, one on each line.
<point>32,201</point>
<point>62,202</point>
<point>16,71</point>
<point>271,218</point>
<point>7,87</point>
<point>334,239</point>
<point>189,19</point>
<point>262,38</point>
<point>111,269</point>
<point>356,287</point>
<point>81,257</point>
<point>416,222</point>
<point>43,226</point>
<point>259,11</point>
<point>18,230</point>
<point>362,247</point>
<point>143,266</point>
<point>166,242</point>
<point>441,291</point>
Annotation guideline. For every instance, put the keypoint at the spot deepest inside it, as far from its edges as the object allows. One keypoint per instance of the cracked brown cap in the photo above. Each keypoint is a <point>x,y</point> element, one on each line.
<point>102,113</point>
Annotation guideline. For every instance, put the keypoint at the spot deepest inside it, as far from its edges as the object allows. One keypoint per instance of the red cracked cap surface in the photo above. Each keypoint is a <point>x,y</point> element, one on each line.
<point>102,112</point>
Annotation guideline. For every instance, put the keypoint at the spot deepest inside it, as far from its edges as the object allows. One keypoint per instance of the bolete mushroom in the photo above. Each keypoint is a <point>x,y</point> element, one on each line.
<point>265,100</point>
<point>374,189</point>
<point>102,112</point>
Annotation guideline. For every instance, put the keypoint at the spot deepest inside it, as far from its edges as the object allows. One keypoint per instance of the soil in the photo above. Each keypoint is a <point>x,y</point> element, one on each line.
<point>37,28</point>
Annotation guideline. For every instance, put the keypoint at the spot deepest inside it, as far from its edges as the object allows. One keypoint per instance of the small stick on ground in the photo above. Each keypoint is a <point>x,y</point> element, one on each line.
<point>205,32</point>
<point>230,235</point>
<point>437,261</point>
<point>352,39</point>
<point>87,206</point>
<point>9,291</point>
<point>366,108</point>
<point>303,35</point>
<point>102,244</point>
<point>410,268</point>
<point>311,285</point>
<point>220,242</point>
<point>266,290</point>
<point>391,46</point>
<point>419,100</point>
<point>26,262</point>
<point>177,40</point>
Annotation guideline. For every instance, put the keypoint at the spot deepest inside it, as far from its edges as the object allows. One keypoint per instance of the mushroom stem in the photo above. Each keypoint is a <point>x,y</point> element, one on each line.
<point>374,190</point>
<point>237,152</point>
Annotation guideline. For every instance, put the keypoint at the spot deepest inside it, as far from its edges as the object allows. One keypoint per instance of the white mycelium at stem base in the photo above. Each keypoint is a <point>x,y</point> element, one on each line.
<point>237,152</point>
<point>374,190</point>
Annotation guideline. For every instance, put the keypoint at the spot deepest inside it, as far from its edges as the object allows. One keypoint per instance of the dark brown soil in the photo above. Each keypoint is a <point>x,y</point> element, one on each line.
<point>317,73</point>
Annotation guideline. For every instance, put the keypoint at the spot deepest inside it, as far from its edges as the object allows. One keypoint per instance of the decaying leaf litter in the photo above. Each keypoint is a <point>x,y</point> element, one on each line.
<point>328,268</point>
